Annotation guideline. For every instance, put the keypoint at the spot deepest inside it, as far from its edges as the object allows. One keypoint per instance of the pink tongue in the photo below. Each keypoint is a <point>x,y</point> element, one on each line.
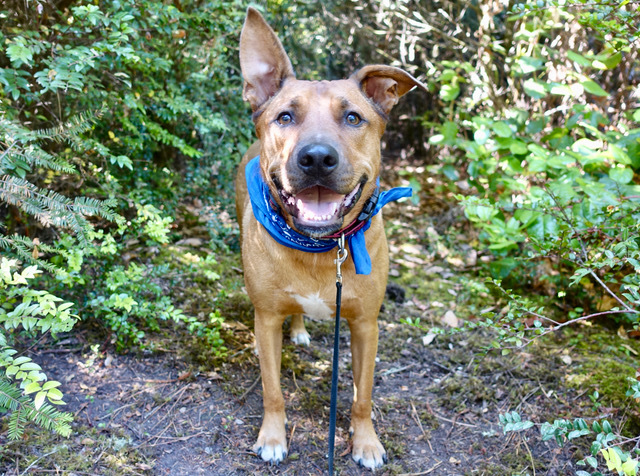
<point>319,200</point>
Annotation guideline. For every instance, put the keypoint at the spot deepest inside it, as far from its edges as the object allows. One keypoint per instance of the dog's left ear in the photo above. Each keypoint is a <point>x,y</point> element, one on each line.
<point>385,85</point>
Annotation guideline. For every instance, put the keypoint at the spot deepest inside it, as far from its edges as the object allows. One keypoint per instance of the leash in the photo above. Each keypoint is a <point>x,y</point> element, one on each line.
<point>340,258</point>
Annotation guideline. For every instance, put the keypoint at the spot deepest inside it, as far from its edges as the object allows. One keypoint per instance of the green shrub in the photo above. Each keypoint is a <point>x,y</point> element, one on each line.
<point>24,387</point>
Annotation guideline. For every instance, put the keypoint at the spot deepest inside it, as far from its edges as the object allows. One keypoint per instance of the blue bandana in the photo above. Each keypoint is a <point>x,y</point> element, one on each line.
<point>282,233</point>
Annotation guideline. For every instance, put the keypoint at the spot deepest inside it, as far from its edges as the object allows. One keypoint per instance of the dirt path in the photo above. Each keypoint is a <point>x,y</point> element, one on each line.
<point>436,412</point>
<point>437,398</point>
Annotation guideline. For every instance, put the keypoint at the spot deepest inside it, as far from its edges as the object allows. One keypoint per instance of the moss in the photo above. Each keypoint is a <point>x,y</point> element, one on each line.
<point>77,454</point>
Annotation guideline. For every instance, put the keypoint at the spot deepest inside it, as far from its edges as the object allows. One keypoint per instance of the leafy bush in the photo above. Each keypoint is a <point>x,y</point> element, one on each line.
<point>553,166</point>
<point>604,441</point>
<point>31,311</point>
<point>111,114</point>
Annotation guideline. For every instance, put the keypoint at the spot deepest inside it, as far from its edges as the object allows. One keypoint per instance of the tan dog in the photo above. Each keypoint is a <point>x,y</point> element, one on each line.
<point>319,149</point>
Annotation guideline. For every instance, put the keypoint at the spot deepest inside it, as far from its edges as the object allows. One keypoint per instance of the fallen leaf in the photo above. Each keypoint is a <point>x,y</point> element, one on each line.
<point>622,333</point>
<point>428,338</point>
<point>450,319</point>
<point>195,242</point>
<point>455,261</point>
<point>433,270</point>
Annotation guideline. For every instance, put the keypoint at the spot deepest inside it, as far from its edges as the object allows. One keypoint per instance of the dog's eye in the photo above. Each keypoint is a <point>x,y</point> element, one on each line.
<point>284,119</point>
<point>353,119</point>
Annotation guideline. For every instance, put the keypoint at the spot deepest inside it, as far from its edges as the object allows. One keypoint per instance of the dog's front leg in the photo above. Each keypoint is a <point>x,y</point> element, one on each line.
<point>272,443</point>
<point>367,449</point>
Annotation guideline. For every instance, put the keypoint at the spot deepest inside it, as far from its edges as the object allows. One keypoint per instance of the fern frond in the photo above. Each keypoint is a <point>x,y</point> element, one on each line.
<point>73,127</point>
<point>53,209</point>
<point>33,154</point>
<point>23,411</point>
<point>9,395</point>
<point>24,248</point>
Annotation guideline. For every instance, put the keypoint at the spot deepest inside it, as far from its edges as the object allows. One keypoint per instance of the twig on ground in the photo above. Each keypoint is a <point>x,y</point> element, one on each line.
<point>415,416</point>
<point>248,391</point>
<point>430,470</point>
<point>533,464</point>
<point>454,422</point>
<point>37,459</point>
<point>397,370</point>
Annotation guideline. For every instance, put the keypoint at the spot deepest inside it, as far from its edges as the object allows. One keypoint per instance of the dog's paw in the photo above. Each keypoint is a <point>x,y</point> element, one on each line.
<point>301,338</point>
<point>272,452</point>
<point>368,451</point>
<point>272,441</point>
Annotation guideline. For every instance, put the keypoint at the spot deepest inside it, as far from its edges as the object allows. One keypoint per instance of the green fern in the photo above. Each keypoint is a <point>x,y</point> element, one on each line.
<point>35,311</point>
<point>21,151</point>
<point>28,251</point>
<point>23,411</point>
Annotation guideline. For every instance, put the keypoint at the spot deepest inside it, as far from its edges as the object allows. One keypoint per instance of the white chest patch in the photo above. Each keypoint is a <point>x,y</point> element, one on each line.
<point>313,306</point>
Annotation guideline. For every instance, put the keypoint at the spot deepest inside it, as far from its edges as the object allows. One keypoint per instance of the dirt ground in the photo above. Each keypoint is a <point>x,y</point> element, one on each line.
<point>437,398</point>
<point>181,422</point>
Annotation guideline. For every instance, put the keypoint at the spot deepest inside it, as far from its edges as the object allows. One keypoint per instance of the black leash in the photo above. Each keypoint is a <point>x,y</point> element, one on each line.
<point>342,256</point>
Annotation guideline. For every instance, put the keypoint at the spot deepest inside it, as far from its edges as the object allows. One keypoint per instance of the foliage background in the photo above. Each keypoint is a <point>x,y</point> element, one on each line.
<point>120,121</point>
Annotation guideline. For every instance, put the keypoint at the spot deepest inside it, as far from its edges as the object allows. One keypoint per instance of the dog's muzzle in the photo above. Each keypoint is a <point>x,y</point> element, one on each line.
<point>318,200</point>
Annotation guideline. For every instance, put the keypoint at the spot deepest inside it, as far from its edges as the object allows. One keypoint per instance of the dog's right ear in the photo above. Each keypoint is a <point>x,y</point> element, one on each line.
<point>264,63</point>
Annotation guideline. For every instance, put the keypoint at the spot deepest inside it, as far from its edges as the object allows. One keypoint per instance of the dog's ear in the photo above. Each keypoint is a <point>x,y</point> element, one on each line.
<point>384,85</point>
<point>264,63</point>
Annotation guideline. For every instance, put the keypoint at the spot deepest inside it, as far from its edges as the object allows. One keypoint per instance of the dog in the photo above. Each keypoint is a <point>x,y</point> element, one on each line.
<point>311,177</point>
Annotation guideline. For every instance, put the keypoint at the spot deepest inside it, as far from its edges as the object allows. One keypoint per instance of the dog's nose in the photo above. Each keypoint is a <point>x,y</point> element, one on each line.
<point>318,160</point>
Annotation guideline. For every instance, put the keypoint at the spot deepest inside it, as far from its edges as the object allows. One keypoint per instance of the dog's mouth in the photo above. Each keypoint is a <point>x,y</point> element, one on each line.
<point>319,211</point>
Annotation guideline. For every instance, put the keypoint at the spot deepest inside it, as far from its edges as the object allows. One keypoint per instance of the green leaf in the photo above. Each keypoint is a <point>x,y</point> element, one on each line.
<point>50,384</point>
<point>630,467</point>
<point>613,60</point>
<point>620,175</point>
<point>594,88</point>
<point>578,58</point>
<point>12,370</point>
<point>535,89</point>
<point>28,366</point>
<point>449,92</point>
<point>517,147</point>
<point>54,394</point>
<point>449,131</point>
<point>544,227</point>
<point>591,461</point>
<point>529,64</point>
<point>604,62</point>
<point>19,54</point>
<point>502,129</point>
<point>32,388</point>
<point>561,90</point>
<point>39,400</point>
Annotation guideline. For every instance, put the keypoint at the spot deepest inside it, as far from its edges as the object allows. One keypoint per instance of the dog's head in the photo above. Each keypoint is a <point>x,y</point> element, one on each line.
<point>320,140</point>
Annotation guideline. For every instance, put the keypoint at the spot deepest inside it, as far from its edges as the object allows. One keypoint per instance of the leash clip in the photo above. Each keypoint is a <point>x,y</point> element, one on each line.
<point>341,258</point>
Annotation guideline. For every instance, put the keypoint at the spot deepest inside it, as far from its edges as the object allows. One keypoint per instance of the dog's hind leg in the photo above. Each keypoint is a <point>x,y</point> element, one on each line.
<point>298,332</point>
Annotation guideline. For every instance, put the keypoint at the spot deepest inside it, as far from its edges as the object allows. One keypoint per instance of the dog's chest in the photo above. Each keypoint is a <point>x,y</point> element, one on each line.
<point>313,306</point>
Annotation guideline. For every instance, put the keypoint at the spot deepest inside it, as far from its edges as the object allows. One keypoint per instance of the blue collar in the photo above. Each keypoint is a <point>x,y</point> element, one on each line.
<point>282,233</point>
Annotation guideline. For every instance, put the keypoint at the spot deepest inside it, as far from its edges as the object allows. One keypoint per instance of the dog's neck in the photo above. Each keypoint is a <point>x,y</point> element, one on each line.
<point>275,224</point>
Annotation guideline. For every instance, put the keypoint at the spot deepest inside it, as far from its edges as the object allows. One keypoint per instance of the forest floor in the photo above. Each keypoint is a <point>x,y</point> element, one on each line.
<point>185,409</point>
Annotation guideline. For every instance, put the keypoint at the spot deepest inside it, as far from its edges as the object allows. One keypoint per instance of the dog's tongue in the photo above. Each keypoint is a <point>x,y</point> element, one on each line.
<point>318,203</point>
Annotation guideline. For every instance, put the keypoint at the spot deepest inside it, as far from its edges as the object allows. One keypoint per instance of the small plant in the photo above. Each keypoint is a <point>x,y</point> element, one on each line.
<point>25,392</point>
<point>604,442</point>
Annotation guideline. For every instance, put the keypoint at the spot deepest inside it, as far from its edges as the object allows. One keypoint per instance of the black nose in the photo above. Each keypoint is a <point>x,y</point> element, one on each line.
<point>318,160</point>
